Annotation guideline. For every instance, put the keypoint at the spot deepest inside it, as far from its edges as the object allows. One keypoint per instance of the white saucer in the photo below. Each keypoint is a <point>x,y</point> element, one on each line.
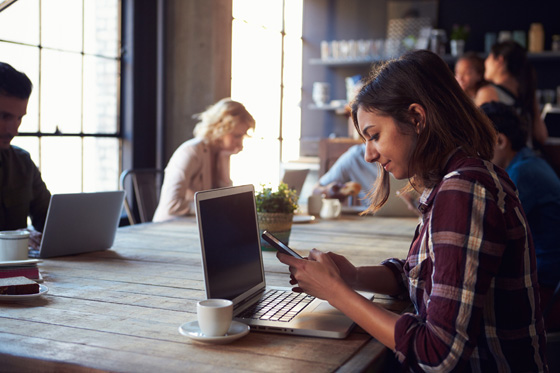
<point>300,219</point>
<point>236,331</point>
<point>42,290</point>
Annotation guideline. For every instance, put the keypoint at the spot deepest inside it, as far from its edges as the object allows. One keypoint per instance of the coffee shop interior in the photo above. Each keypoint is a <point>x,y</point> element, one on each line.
<point>119,89</point>
<point>117,85</point>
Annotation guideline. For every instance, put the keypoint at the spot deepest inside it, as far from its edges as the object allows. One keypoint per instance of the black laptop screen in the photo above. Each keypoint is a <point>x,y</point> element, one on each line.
<point>231,244</point>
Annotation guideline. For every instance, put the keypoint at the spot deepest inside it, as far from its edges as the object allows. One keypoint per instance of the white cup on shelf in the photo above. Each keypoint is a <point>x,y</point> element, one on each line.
<point>321,93</point>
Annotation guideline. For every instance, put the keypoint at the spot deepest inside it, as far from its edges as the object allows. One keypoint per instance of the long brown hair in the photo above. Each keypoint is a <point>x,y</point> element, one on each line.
<point>452,120</point>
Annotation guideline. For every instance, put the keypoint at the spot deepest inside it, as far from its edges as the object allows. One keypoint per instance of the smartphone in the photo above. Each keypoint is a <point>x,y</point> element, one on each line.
<point>279,245</point>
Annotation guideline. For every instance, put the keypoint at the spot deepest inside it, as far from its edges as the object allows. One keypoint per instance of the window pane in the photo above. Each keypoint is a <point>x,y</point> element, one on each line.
<point>31,145</point>
<point>20,22</point>
<point>61,164</point>
<point>293,22</point>
<point>101,27</point>
<point>257,88</point>
<point>247,168</point>
<point>101,164</point>
<point>25,59</point>
<point>61,92</point>
<point>260,13</point>
<point>100,97</point>
<point>61,24</point>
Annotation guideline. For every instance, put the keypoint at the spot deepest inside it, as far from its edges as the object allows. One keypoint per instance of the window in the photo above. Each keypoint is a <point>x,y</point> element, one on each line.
<point>70,49</point>
<point>266,78</point>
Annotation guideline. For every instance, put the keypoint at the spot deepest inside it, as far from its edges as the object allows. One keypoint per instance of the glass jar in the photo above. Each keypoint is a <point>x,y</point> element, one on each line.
<point>536,38</point>
<point>555,47</point>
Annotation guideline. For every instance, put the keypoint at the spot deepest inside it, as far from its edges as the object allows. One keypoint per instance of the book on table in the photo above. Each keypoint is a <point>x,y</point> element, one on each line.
<point>25,268</point>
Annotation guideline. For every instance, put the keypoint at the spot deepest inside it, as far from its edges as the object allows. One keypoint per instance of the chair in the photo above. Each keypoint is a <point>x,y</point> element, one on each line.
<point>146,185</point>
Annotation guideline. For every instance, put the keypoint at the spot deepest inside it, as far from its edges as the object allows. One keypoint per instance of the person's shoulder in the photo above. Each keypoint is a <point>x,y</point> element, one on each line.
<point>193,146</point>
<point>485,94</point>
<point>474,170</point>
<point>20,153</point>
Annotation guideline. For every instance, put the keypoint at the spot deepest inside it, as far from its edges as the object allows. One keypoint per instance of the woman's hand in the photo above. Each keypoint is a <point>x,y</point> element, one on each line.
<point>317,275</point>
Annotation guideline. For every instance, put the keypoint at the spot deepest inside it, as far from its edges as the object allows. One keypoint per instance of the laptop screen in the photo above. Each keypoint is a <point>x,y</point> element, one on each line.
<point>231,248</point>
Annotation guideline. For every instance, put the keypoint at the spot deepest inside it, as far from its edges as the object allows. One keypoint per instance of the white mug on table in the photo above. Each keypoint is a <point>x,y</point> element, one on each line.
<point>14,245</point>
<point>214,316</point>
<point>331,208</point>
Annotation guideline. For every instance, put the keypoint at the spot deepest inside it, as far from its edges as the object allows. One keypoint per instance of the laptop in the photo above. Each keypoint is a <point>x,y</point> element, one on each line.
<point>395,205</point>
<point>233,268</point>
<point>295,179</point>
<point>80,223</point>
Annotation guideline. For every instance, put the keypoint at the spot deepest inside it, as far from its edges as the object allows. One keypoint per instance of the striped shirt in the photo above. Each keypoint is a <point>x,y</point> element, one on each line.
<point>471,275</point>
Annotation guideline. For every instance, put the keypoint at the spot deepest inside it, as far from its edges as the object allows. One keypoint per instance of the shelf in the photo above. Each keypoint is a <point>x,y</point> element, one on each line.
<point>341,110</point>
<point>542,56</point>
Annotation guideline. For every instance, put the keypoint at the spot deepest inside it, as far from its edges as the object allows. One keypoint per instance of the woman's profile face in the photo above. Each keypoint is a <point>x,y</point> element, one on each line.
<point>385,143</point>
<point>233,141</point>
<point>490,67</point>
<point>466,75</point>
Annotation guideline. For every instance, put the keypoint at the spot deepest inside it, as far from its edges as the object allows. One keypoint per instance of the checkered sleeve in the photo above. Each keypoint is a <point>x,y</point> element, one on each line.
<point>458,255</point>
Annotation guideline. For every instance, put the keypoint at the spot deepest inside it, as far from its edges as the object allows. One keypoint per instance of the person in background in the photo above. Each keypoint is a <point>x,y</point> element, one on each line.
<point>203,162</point>
<point>469,72</point>
<point>350,175</point>
<point>23,194</point>
<point>539,192</point>
<point>471,270</point>
<point>513,82</point>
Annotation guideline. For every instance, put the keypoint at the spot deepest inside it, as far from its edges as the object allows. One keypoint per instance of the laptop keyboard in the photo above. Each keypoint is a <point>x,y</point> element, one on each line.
<point>277,305</point>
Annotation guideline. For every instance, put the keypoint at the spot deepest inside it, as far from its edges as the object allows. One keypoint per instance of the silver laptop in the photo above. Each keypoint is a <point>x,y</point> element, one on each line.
<point>295,179</point>
<point>80,223</point>
<point>395,206</point>
<point>233,269</point>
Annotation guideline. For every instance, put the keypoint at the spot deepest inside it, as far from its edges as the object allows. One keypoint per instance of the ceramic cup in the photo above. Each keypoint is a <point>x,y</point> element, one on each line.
<point>214,316</point>
<point>331,208</point>
<point>14,245</point>
<point>314,203</point>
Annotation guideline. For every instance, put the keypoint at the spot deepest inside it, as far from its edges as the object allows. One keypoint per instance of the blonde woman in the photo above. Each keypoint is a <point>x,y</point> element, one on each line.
<point>203,162</point>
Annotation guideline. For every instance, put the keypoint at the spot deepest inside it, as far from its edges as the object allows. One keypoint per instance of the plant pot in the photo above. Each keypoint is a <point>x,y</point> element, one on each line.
<point>457,47</point>
<point>277,223</point>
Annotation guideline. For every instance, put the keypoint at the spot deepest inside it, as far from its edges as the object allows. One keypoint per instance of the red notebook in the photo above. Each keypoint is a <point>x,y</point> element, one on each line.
<point>31,272</point>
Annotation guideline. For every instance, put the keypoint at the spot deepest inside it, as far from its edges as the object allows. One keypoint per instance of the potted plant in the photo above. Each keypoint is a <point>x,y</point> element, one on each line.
<point>275,212</point>
<point>459,34</point>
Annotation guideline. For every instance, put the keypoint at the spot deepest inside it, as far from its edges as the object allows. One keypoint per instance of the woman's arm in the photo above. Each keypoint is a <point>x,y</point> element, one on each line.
<point>331,277</point>
<point>540,132</point>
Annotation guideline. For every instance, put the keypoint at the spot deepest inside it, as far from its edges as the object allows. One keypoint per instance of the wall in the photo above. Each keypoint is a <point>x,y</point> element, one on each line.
<point>197,64</point>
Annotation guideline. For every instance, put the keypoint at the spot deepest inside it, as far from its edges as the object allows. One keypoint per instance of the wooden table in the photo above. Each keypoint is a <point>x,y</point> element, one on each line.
<point>120,309</point>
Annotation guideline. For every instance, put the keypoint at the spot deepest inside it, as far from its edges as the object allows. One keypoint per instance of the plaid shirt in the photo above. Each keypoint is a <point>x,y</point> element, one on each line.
<point>471,275</point>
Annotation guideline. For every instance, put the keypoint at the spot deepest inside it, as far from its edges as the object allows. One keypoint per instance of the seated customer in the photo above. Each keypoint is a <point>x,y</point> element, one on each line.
<point>351,168</point>
<point>202,163</point>
<point>23,194</point>
<point>539,192</point>
<point>469,72</point>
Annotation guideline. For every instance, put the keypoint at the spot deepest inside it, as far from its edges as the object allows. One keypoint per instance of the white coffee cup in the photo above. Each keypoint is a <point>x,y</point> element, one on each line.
<point>14,245</point>
<point>331,208</point>
<point>314,203</point>
<point>214,316</point>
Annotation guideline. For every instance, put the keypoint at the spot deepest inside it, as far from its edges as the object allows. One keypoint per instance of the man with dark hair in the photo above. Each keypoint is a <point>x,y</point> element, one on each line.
<point>539,192</point>
<point>23,194</point>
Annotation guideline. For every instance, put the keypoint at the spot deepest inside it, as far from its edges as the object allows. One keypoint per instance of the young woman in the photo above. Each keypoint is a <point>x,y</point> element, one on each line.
<point>203,162</point>
<point>471,269</point>
<point>469,72</point>
<point>513,83</point>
